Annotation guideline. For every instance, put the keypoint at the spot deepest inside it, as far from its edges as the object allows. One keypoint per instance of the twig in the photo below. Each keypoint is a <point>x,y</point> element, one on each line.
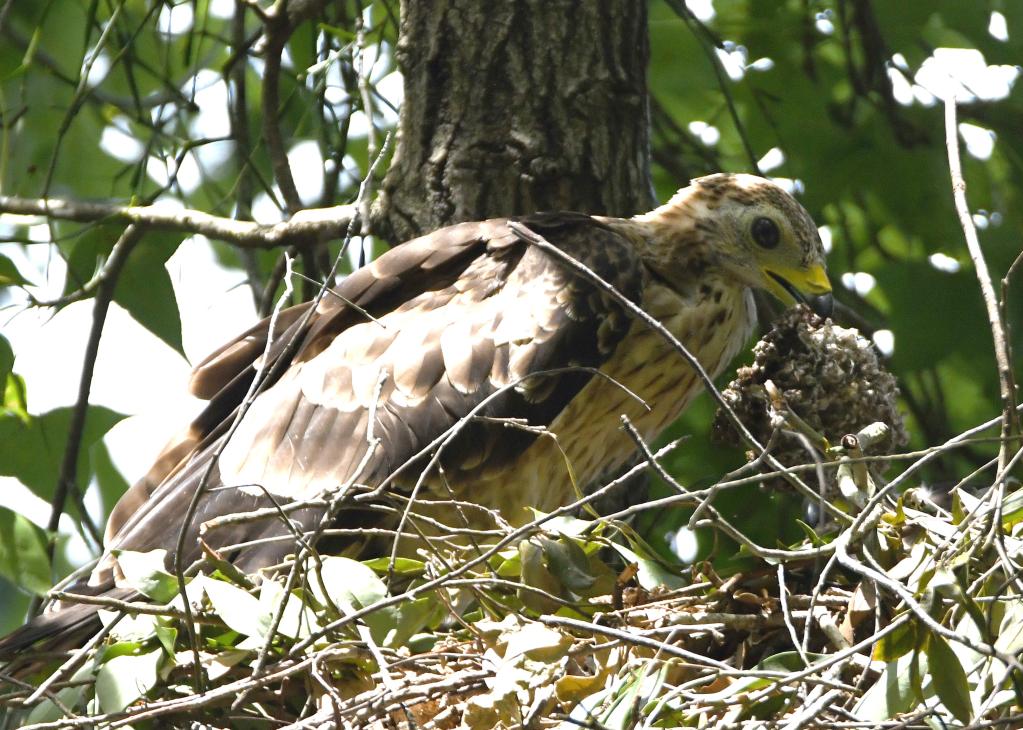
<point>67,481</point>
<point>634,638</point>
<point>303,225</point>
<point>238,106</point>
<point>128,607</point>
<point>250,396</point>
<point>343,490</point>
<point>3,13</point>
<point>278,30</point>
<point>648,455</point>
<point>1010,424</point>
<point>787,614</point>
<point>367,110</point>
<point>709,43</point>
<point>73,662</point>
<point>28,688</point>
<point>188,703</point>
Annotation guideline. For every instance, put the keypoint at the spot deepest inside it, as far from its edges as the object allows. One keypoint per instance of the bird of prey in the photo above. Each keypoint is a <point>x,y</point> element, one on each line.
<point>474,328</point>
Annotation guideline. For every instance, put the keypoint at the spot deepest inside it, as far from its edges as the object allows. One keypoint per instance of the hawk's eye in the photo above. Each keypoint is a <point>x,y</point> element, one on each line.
<point>765,232</point>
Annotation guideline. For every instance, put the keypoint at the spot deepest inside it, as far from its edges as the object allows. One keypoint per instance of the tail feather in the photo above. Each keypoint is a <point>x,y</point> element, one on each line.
<point>60,630</point>
<point>67,627</point>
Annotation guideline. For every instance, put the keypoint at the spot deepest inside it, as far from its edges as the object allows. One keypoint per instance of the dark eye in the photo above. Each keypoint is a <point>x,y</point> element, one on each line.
<point>765,232</point>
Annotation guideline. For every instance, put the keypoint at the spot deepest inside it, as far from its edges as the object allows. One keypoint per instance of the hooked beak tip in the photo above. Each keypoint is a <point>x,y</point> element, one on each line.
<point>822,305</point>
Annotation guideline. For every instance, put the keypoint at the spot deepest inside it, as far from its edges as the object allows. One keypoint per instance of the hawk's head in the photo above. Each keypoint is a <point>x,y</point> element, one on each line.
<point>752,230</point>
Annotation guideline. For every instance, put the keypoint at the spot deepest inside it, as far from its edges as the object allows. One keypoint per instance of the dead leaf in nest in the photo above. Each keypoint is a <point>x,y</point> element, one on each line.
<point>862,606</point>
<point>747,598</point>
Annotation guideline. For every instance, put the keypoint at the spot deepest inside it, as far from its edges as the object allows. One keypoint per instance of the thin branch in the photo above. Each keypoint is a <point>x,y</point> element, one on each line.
<point>367,110</point>
<point>193,505</point>
<point>305,224</point>
<point>1010,425</point>
<point>278,30</point>
<point>67,481</point>
<point>709,44</point>
<point>128,607</point>
<point>632,637</point>
<point>238,106</point>
<point>3,13</point>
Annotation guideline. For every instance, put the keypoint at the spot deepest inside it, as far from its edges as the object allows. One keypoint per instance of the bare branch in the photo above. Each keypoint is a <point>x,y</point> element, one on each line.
<point>1010,425</point>
<point>67,481</point>
<point>319,223</point>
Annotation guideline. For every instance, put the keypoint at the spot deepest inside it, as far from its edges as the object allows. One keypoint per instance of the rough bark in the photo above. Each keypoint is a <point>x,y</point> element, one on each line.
<point>517,106</point>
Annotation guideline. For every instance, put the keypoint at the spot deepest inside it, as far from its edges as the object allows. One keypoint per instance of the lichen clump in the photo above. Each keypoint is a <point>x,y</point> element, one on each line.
<point>829,376</point>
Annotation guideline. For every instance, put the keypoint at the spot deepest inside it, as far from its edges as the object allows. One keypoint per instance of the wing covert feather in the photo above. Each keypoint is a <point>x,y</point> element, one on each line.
<point>461,314</point>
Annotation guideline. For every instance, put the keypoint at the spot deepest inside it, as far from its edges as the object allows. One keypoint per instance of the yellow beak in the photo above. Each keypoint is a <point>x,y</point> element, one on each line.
<point>810,286</point>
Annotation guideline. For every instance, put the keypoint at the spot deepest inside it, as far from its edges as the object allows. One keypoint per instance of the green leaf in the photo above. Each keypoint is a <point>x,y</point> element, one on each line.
<point>297,620</point>
<point>507,563</point>
<point>402,566</point>
<point>350,585</point>
<point>134,629</point>
<point>239,609</point>
<point>1010,629</point>
<point>34,445</point>
<point>958,513</point>
<point>9,274</point>
<point>146,573</point>
<point>167,636</point>
<point>630,696</point>
<point>348,580</point>
<point>949,678</point>
<point>145,288</point>
<point>898,643</point>
<point>566,524</point>
<point>651,572</point>
<point>342,34</point>
<point>124,679</point>
<point>1012,509</point>
<point>121,647</point>
<point>568,563</point>
<point>6,359</point>
<point>85,256</point>
<point>410,617</point>
<point>16,398</point>
<point>23,558</point>
<point>422,643</point>
<point>893,692</point>
<point>811,534</point>
<point>536,575</point>
<point>302,46</point>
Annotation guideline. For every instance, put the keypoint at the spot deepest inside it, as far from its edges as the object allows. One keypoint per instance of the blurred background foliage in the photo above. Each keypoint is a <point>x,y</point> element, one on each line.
<point>139,101</point>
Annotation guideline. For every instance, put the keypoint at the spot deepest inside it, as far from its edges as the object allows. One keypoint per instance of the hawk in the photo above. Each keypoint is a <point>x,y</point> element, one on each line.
<point>470,328</point>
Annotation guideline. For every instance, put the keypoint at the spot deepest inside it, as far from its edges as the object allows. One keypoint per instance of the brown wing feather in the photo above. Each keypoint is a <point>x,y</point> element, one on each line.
<point>461,313</point>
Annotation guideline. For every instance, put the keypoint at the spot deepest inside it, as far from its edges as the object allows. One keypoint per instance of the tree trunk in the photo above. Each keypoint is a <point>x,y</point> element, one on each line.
<point>517,106</point>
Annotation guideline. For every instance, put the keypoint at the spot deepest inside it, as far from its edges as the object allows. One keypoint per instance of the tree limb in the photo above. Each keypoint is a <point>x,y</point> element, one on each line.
<point>320,223</point>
